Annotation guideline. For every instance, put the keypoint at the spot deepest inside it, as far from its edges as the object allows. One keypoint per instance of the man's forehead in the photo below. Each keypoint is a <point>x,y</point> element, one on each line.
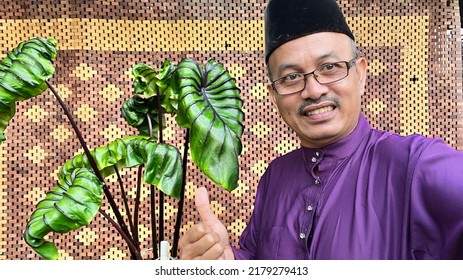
<point>318,46</point>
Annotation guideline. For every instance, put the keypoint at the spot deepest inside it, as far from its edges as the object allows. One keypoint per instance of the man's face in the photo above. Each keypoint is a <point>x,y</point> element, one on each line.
<point>319,114</point>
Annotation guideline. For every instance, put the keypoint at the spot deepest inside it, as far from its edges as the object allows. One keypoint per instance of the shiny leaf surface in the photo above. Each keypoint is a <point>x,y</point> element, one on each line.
<point>149,83</point>
<point>76,199</point>
<point>150,87</point>
<point>210,105</point>
<point>23,73</point>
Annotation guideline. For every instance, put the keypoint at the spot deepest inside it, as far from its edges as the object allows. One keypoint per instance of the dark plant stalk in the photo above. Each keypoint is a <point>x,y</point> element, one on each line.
<point>153,222</point>
<point>135,252</point>
<point>126,203</point>
<point>90,159</point>
<point>178,221</point>
<point>154,239</point>
<point>78,133</point>
<point>161,217</point>
<point>161,194</point>
<point>137,205</point>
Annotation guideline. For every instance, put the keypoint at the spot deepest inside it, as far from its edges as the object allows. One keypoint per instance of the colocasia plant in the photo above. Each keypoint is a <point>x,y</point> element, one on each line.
<point>205,102</point>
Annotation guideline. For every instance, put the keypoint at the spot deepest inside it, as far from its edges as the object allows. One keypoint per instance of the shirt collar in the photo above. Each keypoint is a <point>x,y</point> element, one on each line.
<point>345,146</point>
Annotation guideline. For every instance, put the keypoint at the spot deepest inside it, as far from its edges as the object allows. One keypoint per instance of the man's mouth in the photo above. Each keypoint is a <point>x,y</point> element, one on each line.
<point>319,111</point>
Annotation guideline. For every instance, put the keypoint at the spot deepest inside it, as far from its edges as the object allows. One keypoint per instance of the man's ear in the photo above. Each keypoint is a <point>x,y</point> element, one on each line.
<point>361,69</point>
<point>272,96</point>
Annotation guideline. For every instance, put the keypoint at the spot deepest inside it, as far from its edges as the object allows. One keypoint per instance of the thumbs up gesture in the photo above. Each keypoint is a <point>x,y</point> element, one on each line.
<point>207,240</point>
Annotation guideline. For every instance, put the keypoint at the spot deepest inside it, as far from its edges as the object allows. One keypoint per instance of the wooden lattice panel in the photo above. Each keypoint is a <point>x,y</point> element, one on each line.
<point>414,86</point>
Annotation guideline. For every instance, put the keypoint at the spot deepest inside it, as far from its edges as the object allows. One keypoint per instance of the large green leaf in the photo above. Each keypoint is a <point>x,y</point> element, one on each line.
<point>76,199</point>
<point>70,205</point>
<point>210,105</point>
<point>23,75</point>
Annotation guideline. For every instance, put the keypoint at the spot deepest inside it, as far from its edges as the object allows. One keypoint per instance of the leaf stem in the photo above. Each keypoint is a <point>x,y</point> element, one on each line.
<point>161,140</point>
<point>124,197</point>
<point>128,240</point>
<point>153,221</point>
<point>77,131</point>
<point>137,205</point>
<point>154,239</point>
<point>90,159</point>
<point>178,221</point>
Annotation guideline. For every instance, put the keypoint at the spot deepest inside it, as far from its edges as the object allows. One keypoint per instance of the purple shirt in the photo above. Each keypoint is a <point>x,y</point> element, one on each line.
<point>376,195</point>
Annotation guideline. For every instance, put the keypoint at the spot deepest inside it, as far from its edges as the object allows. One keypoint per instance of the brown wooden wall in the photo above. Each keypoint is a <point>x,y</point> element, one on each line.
<point>414,86</point>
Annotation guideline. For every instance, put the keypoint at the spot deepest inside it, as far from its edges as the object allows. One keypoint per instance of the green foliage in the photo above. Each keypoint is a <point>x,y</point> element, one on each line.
<point>23,74</point>
<point>205,101</point>
<point>149,83</point>
<point>163,164</point>
<point>210,105</point>
<point>70,205</point>
<point>142,111</point>
<point>78,196</point>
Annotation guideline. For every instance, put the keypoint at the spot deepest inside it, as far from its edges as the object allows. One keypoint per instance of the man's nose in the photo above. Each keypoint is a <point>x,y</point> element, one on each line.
<point>313,89</point>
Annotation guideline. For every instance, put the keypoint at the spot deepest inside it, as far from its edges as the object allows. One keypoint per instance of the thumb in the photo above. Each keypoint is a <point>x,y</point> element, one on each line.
<point>202,205</point>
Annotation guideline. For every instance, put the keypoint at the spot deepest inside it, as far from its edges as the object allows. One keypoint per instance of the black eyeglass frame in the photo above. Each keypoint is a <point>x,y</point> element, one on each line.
<point>349,65</point>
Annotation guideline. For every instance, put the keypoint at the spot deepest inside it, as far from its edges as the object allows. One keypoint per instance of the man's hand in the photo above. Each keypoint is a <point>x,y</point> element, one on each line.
<point>207,240</point>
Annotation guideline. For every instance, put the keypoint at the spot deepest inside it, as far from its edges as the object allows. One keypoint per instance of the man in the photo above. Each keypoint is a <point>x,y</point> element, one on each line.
<point>350,191</point>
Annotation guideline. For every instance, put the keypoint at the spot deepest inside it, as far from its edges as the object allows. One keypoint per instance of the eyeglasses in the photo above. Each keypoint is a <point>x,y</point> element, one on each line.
<point>326,74</point>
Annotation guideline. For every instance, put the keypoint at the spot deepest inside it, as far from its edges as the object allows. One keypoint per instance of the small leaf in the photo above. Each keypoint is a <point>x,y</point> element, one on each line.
<point>142,114</point>
<point>142,110</point>
<point>163,164</point>
<point>149,83</point>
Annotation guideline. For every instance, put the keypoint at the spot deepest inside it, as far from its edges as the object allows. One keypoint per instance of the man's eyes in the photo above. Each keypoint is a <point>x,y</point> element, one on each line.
<point>325,68</point>
<point>330,66</point>
<point>293,77</point>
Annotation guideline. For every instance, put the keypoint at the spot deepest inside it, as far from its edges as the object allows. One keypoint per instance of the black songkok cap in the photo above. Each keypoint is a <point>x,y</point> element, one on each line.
<point>286,20</point>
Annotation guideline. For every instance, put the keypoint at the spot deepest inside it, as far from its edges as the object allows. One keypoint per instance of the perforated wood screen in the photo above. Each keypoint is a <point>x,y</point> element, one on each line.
<point>414,86</point>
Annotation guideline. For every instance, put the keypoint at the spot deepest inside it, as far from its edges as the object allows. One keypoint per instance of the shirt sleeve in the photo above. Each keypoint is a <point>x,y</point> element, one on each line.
<point>437,203</point>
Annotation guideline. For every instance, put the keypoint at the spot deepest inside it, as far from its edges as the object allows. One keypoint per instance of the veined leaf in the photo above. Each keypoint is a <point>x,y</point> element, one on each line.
<point>76,199</point>
<point>163,162</point>
<point>210,105</point>
<point>23,74</point>
<point>69,206</point>
<point>142,110</point>
<point>149,83</point>
<point>142,114</point>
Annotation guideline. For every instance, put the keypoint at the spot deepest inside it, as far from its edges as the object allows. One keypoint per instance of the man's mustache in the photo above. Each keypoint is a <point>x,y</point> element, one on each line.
<point>323,98</point>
